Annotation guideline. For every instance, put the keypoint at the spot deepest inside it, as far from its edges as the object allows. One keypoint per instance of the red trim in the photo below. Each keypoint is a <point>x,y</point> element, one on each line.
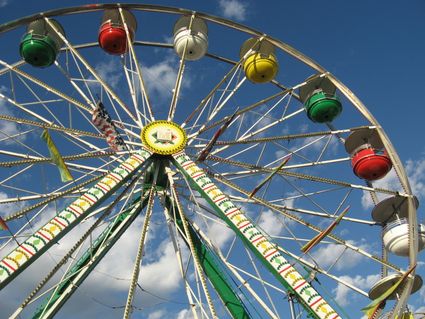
<point>47,238</point>
<point>208,187</point>
<point>4,262</point>
<point>336,316</point>
<point>88,198</point>
<point>198,174</point>
<point>74,210</point>
<point>60,223</point>
<point>187,164</point>
<point>301,284</point>
<point>220,198</point>
<point>141,159</point>
<point>28,251</point>
<point>244,225</point>
<point>232,211</point>
<point>258,238</point>
<point>285,269</point>
<point>127,166</point>
<point>114,177</point>
<point>269,254</point>
<point>103,187</point>
<point>320,298</point>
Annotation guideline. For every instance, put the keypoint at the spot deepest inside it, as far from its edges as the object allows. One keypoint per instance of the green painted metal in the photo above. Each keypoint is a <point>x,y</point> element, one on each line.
<point>322,107</point>
<point>212,268</point>
<point>161,179</point>
<point>89,260</point>
<point>38,51</point>
<point>35,245</point>
<point>257,241</point>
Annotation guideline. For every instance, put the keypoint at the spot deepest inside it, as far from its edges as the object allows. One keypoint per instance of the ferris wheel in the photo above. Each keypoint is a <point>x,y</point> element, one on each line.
<point>264,177</point>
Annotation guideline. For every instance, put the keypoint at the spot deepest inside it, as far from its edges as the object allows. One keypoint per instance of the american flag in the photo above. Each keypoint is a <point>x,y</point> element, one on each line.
<point>102,120</point>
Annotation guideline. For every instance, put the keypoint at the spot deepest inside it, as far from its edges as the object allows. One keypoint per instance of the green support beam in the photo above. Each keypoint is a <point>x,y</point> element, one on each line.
<point>211,267</point>
<point>49,234</point>
<point>257,241</point>
<point>89,260</point>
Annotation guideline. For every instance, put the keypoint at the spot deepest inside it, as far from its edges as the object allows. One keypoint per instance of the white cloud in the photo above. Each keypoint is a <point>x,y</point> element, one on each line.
<point>109,282</point>
<point>7,208</point>
<point>110,71</point>
<point>160,78</point>
<point>162,276</point>
<point>390,181</point>
<point>185,314</point>
<point>419,313</point>
<point>422,293</point>
<point>3,3</point>
<point>219,234</point>
<point>343,294</point>
<point>6,127</point>
<point>270,223</point>
<point>233,9</point>
<point>182,314</point>
<point>158,314</point>
<point>326,255</point>
<point>415,170</point>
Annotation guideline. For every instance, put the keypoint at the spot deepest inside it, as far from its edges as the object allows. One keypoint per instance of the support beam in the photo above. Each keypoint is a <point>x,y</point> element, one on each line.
<point>89,260</point>
<point>257,241</point>
<point>211,267</point>
<point>34,246</point>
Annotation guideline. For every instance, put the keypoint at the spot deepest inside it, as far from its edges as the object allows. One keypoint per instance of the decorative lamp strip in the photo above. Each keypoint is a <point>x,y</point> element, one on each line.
<point>58,226</point>
<point>259,242</point>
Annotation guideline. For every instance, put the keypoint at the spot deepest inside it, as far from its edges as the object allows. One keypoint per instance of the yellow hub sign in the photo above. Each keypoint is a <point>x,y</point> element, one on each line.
<point>163,137</point>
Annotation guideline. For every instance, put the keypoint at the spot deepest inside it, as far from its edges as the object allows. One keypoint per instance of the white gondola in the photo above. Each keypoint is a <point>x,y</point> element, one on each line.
<point>396,237</point>
<point>192,37</point>
<point>392,212</point>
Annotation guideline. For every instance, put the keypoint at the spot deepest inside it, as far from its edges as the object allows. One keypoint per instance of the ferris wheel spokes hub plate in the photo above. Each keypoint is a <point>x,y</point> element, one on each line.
<point>164,137</point>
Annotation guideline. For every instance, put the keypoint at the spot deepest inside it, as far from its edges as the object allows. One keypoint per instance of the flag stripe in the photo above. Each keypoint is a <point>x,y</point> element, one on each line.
<point>103,121</point>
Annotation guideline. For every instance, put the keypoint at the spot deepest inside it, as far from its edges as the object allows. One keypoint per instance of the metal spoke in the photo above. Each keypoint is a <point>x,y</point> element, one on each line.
<point>177,251</point>
<point>206,196</point>
<point>302,222</point>
<point>308,177</point>
<point>89,100</point>
<point>90,69</point>
<point>177,86</point>
<point>191,246</point>
<point>243,282</point>
<point>71,251</point>
<point>138,68</point>
<point>72,134</point>
<point>50,126</point>
<point>138,261</point>
<point>314,267</point>
<point>47,87</point>
<point>35,160</point>
<point>218,85</point>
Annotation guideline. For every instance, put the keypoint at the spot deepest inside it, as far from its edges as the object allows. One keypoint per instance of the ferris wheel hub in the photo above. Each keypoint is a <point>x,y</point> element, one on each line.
<point>164,137</point>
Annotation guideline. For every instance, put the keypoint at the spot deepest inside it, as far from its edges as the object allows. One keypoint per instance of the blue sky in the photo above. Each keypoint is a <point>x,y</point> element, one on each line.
<point>372,47</point>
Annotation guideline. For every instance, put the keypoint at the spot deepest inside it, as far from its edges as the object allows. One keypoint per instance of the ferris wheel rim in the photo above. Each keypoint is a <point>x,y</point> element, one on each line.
<point>279,44</point>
